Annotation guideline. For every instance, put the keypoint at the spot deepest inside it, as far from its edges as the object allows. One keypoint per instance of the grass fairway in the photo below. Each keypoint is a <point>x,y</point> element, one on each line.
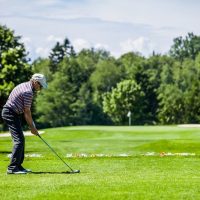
<point>115,163</point>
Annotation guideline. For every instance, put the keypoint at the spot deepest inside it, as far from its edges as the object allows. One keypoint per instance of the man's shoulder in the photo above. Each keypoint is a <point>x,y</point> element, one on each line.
<point>22,84</point>
<point>25,87</point>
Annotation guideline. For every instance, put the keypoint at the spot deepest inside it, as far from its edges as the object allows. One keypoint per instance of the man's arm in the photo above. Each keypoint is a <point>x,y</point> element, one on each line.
<point>29,120</point>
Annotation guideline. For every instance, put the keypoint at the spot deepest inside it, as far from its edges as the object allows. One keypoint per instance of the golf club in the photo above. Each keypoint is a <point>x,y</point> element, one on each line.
<point>69,172</point>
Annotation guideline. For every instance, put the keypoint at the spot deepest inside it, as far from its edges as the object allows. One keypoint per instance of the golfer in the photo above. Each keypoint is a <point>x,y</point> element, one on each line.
<point>18,103</point>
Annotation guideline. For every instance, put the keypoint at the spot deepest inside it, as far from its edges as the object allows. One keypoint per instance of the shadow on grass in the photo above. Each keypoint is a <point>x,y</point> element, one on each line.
<point>67,172</point>
<point>9,152</point>
<point>5,152</point>
<point>49,173</point>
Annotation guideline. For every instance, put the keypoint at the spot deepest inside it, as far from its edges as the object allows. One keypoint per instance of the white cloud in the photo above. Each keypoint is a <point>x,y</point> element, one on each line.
<point>141,44</point>
<point>96,23</point>
<point>42,52</point>
<point>27,43</point>
<point>80,44</point>
<point>47,2</point>
<point>26,40</point>
<point>101,46</point>
<point>52,38</point>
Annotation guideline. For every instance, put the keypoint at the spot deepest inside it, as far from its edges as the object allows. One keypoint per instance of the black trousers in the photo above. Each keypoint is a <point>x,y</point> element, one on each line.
<point>13,121</point>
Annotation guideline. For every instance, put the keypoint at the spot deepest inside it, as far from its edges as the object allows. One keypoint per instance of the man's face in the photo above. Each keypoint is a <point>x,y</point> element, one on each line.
<point>38,86</point>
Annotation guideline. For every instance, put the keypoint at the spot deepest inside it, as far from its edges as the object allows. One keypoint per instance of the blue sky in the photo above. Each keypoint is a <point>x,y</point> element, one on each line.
<point>118,26</point>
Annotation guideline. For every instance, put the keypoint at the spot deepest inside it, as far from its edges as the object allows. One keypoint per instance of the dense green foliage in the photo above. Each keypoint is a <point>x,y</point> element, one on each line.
<point>123,99</point>
<point>186,48</point>
<point>90,87</point>
<point>58,53</point>
<point>14,67</point>
<point>114,164</point>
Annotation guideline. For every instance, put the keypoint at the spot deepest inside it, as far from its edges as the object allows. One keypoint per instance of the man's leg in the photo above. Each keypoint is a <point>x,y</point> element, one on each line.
<point>17,157</point>
<point>14,123</point>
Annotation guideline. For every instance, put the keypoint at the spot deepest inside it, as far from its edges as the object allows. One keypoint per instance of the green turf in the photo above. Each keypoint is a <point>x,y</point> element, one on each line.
<point>111,176</point>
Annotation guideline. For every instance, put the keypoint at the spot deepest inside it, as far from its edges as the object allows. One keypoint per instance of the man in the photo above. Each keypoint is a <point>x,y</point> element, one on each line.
<point>19,102</point>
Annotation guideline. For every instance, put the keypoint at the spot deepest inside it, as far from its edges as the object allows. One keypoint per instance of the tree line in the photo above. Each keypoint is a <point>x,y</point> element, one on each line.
<point>94,88</point>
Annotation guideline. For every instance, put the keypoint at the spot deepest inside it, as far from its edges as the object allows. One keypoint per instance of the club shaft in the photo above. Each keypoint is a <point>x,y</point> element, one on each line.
<point>55,152</point>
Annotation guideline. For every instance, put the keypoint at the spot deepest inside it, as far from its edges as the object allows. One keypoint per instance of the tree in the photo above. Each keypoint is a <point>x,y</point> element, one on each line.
<point>14,67</point>
<point>41,65</point>
<point>171,106</point>
<point>88,110</point>
<point>149,77</point>
<point>127,96</point>
<point>58,106</point>
<point>185,48</point>
<point>179,93</point>
<point>104,78</point>
<point>70,92</point>
<point>131,64</point>
<point>191,77</point>
<point>89,58</point>
<point>58,53</point>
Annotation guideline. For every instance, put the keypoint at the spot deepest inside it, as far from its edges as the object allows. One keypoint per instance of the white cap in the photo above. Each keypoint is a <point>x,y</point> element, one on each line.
<point>41,79</point>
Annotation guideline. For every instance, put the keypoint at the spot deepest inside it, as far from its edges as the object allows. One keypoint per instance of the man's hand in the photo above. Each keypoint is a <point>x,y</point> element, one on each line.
<point>34,131</point>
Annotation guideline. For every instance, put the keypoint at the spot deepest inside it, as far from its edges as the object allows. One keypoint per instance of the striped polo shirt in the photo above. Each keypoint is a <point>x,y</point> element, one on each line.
<point>20,97</point>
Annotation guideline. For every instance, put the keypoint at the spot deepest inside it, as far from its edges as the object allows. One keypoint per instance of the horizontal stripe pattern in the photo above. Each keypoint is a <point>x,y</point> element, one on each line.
<point>20,97</point>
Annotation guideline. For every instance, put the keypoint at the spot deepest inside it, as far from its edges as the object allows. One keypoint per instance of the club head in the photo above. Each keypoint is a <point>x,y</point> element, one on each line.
<point>73,172</point>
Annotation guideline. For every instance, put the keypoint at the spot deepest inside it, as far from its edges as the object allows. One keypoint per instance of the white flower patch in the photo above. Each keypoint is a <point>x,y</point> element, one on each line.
<point>162,154</point>
<point>34,155</point>
<point>123,155</point>
<point>85,155</point>
<point>149,154</point>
